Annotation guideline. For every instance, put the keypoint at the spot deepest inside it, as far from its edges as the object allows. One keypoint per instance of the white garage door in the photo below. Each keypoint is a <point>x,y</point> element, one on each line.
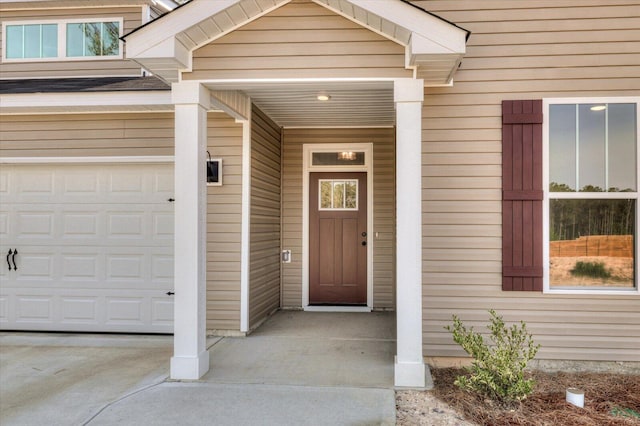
<point>94,247</point>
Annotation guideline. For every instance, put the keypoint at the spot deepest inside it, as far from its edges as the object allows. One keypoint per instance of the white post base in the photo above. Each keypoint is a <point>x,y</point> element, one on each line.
<point>188,367</point>
<point>410,374</point>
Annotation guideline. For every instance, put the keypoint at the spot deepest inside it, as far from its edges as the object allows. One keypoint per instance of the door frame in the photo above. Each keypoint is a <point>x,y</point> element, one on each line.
<point>307,168</point>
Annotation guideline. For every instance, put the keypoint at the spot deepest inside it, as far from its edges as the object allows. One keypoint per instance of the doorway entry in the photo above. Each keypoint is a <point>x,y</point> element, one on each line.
<point>338,239</point>
<point>337,227</point>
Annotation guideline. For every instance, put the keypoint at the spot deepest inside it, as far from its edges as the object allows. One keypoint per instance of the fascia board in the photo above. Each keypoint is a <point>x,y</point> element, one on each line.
<point>91,99</point>
<point>429,27</point>
<point>169,48</point>
<point>179,20</point>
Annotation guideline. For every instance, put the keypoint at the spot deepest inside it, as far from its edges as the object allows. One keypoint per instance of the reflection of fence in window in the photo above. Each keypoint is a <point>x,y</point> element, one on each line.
<point>594,245</point>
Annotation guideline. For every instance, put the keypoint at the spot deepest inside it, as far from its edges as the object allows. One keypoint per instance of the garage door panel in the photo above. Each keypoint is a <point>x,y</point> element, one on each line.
<point>4,224</point>
<point>36,266</point>
<point>79,310</point>
<point>163,226</point>
<point>162,268</point>
<point>82,267</point>
<point>125,311</point>
<point>4,309</point>
<point>162,312</point>
<point>35,224</point>
<point>95,247</point>
<point>82,310</point>
<point>34,308</point>
<point>142,183</point>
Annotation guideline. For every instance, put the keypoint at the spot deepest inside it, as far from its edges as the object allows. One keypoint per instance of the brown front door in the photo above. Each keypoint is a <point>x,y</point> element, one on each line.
<point>338,239</point>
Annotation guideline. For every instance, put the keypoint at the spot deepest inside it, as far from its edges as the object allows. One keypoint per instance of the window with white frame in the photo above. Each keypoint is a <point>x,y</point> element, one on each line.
<point>591,201</point>
<point>93,38</point>
<point>31,41</point>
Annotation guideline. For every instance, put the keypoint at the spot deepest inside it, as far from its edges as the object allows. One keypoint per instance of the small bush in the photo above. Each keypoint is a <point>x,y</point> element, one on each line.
<point>590,269</point>
<point>497,371</point>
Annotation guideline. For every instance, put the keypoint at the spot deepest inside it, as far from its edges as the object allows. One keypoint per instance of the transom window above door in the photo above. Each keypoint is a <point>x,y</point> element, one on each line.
<point>338,194</point>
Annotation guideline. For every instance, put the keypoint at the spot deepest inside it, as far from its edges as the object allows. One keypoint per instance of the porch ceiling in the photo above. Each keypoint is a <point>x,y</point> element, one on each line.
<point>351,104</point>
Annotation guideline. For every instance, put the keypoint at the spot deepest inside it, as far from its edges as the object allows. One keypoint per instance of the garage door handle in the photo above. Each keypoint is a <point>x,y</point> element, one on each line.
<point>13,258</point>
<point>9,255</point>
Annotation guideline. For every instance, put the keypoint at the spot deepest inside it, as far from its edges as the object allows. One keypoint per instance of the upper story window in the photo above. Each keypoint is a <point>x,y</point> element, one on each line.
<point>592,195</point>
<point>77,39</point>
<point>31,41</point>
<point>93,39</point>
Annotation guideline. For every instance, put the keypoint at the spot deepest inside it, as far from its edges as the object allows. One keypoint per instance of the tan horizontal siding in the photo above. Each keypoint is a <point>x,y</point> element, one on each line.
<point>300,39</point>
<point>517,50</point>
<point>224,221</point>
<point>264,273</point>
<point>73,135</point>
<point>132,18</point>
<point>383,215</point>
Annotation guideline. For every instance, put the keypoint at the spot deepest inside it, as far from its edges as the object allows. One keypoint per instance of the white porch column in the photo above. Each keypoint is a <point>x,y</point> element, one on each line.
<point>190,357</point>
<point>409,364</point>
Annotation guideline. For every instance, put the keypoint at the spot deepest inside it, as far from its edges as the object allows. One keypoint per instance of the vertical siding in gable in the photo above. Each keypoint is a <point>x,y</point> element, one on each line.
<point>264,274</point>
<point>383,212</point>
<point>132,17</point>
<point>517,50</point>
<point>224,221</point>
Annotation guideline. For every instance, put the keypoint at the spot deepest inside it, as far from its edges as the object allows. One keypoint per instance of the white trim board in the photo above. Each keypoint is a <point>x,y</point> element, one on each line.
<point>99,100</point>
<point>85,160</point>
<point>307,150</point>
<point>245,246</point>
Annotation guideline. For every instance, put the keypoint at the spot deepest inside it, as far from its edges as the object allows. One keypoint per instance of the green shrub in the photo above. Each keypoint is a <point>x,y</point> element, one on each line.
<point>497,370</point>
<point>590,269</point>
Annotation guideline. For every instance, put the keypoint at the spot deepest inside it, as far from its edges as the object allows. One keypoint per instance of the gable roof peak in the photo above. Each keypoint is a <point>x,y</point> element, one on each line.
<point>165,47</point>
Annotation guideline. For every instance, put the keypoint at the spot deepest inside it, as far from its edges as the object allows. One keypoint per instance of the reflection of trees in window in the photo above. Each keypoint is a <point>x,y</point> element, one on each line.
<point>325,195</point>
<point>571,218</point>
<point>351,194</point>
<point>338,194</point>
<point>101,38</point>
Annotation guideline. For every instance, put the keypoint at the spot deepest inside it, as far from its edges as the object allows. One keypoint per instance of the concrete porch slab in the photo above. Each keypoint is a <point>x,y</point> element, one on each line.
<point>310,349</point>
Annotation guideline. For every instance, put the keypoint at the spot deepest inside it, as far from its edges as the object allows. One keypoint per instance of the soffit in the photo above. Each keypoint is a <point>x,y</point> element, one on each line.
<point>351,104</point>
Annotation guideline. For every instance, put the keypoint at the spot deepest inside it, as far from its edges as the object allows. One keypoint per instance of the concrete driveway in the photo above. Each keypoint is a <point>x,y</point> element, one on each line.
<point>298,368</point>
<point>64,379</point>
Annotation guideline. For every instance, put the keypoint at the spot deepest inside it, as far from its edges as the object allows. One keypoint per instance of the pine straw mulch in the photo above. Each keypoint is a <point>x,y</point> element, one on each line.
<point>609,399</point>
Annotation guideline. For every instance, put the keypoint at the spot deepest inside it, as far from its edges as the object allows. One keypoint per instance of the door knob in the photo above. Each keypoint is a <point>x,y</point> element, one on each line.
<point>364,243</point>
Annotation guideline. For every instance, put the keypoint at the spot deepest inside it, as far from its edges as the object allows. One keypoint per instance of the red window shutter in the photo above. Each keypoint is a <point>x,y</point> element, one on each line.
<point>522,195</point>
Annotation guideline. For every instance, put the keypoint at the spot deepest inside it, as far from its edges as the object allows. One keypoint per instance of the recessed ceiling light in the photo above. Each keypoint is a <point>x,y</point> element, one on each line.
<point>323,97</point>
<point>598,108</point>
